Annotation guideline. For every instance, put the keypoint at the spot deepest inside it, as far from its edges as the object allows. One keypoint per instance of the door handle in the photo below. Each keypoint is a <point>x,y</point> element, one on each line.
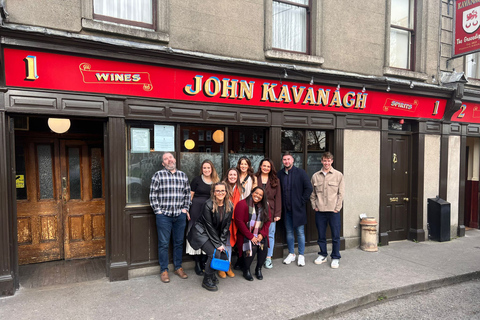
<point>395,160</point>
<point>406,199</point>
<point>394,199</point>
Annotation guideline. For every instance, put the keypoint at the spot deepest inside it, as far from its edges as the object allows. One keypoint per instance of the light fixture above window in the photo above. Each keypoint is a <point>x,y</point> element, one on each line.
<point>59,125</point>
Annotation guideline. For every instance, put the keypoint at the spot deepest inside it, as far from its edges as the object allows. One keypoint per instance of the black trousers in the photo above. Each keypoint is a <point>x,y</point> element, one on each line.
<point>259,252</point>
<point>209,248</point>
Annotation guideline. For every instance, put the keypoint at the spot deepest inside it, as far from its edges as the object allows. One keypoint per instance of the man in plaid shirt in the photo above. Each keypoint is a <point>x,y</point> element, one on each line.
<point>170,201</point>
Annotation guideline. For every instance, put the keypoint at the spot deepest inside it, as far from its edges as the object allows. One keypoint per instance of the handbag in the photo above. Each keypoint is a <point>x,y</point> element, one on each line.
<point>220,264</point>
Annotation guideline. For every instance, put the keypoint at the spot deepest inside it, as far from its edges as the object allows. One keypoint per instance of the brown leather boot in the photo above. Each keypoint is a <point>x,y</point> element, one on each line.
<point>230,272</point>
<point>222,274</point>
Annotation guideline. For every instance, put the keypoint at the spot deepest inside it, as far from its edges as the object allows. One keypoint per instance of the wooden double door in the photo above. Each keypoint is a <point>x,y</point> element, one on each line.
<point>60,199</point>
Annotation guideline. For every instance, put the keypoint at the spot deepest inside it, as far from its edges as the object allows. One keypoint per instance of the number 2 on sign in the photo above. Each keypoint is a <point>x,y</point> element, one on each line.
<point>31,68</point>
<point>462,113</point>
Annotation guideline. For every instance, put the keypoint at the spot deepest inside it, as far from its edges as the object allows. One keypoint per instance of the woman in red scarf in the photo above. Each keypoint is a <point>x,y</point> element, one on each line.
<point>232,180</point>
<point>252,218</point>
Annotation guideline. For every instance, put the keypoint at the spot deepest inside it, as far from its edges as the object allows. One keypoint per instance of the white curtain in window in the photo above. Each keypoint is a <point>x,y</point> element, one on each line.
<point>133,10</point>
<point>473,65</point>
<point>289,27</point>
<point>401,12</point>
<point>400,48</point>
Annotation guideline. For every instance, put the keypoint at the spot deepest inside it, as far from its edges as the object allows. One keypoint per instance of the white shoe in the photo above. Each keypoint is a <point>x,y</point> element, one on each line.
<point>301,260</point>
<point>335,263</point>
<point>289,259</point>
<point>320,260</point>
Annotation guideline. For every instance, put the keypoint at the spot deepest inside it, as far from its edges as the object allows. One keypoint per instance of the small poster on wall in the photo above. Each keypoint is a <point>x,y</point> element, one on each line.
<point>164,138</point>
<point>140,140</point>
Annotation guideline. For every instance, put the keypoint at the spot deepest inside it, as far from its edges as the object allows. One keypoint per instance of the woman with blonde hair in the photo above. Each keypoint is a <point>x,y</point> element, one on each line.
<point>201,187</point>
<point>210,232</point>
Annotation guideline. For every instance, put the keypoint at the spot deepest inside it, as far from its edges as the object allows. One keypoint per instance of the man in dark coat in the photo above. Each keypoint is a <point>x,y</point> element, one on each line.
<point>296,191</point>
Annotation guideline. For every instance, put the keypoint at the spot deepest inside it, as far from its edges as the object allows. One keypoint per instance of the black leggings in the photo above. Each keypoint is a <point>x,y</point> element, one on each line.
<point>209,248</point>
<point>261,255</point>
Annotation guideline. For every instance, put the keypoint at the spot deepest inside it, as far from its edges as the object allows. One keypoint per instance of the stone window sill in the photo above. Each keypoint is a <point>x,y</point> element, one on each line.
<point>402,73</point>
<point>295,57</point>
<point>125,30</point>
<point>473,82</point>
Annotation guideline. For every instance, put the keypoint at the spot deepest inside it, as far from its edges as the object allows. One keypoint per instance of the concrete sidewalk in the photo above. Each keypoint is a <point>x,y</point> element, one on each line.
<point>287,291</point>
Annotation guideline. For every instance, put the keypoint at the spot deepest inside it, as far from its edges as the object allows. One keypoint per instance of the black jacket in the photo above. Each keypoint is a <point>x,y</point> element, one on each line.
<point>301,189</point>
<point>210,227</point>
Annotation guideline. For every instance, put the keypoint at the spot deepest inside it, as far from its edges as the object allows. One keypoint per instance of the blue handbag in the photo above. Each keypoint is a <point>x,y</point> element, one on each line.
<point>220,264</point>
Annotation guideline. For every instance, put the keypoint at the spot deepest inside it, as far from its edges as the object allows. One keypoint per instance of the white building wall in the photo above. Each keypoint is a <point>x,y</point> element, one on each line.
<point>431,168</point>
<point>453,181</point>
<point>362,182</point>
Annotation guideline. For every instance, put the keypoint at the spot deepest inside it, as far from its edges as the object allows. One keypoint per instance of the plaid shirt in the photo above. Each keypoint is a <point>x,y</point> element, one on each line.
<point>169,193</point>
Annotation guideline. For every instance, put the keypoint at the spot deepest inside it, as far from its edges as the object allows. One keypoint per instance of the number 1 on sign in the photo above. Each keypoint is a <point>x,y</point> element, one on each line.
<point>31,68</point>
<point>435,108</point>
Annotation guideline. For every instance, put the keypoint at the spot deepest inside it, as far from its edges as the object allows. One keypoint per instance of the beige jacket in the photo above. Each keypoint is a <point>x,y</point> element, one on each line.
<point>328,190</point>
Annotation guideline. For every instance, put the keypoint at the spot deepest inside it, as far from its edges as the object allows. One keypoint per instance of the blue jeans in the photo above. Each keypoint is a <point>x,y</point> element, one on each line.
<point>291,236</point>
<point>322,218</point>
<point>228,248</point>
<point>271,238</point>
<point>167,226</point>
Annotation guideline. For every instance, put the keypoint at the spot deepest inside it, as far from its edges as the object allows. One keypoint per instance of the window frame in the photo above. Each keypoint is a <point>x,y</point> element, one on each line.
<point>129,22</point>
<point>160,32</point>
<point>316,28</point>
<point>472,57</point>
<point>412,33</point>
<point>308,26</point>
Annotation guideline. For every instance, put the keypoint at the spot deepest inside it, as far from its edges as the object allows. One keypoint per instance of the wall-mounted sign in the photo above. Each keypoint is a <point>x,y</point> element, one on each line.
<point>469,112</point>
<point>466,27</point>
<point>164,138</point>
<point>75,73</point>
<point>140,140</point>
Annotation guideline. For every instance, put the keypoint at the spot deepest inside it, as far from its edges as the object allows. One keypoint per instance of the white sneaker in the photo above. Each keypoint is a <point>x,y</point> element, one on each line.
<point>289,259</point>
<point>320,260</point>
<point>301,260</point>
<point>335,263</point>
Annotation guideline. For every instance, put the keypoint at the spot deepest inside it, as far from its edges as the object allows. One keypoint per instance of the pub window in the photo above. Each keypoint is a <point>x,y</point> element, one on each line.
<point>143,160</point>
<point>201,143</point>
<point>306,145</point>
<point>402,34</point>
<point>139,13</point>
<point>473,65</point>
<point>246,142</point>
<point>291,25</point>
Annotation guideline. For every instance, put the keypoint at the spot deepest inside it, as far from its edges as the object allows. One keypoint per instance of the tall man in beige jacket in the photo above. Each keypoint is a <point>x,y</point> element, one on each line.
<point>327,199</point>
